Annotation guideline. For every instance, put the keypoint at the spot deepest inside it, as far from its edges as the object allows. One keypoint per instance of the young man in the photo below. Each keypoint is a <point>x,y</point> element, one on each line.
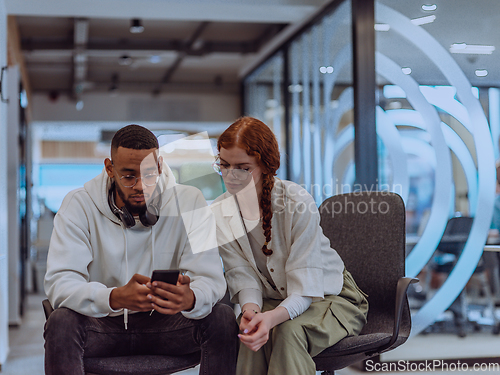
<point>108,238</point>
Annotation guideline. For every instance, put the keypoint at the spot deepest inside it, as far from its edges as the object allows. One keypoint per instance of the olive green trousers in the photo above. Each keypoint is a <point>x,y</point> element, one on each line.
<point>293,343</point>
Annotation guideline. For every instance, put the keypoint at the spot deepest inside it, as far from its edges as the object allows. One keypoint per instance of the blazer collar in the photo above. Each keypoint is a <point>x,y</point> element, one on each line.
<point>231,212</point>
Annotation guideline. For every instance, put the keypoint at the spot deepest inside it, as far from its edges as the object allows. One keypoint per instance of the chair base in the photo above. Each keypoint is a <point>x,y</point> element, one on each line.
<point>341,355</point>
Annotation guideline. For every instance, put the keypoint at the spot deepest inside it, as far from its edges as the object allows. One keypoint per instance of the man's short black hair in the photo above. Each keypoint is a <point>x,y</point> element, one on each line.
<point>135,137</point>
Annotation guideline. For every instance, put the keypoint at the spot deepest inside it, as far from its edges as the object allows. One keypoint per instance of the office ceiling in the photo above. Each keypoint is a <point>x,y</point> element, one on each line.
<point>72,47</point>
<point>109,57</point>
<point>458,21</point>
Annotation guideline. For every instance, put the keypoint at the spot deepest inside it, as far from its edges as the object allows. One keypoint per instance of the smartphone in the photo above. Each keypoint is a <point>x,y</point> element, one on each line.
<point>167,276</point>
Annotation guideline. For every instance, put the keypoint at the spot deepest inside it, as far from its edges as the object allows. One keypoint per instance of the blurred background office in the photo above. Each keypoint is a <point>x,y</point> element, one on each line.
<point>396,95</point>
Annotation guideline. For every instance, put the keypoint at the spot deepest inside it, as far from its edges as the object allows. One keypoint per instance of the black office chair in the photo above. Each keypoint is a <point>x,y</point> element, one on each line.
<point>136,364</point>
<point>368,231</point>
<point>447,254</point>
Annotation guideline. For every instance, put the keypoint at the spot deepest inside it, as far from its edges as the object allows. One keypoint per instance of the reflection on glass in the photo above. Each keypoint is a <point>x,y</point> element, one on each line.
<point>321,62</point>
<point>263,100</point>
<point>446,147</point>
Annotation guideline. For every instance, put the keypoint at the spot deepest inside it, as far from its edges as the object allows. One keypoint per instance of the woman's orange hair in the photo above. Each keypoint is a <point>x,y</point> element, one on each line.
<point>257,140</point>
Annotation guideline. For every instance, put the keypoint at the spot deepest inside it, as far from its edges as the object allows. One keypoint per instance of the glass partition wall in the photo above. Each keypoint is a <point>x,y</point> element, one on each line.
<point>437,124</point>
<point>304,93</point>
<point>264,100</point>
<point>437,143</point>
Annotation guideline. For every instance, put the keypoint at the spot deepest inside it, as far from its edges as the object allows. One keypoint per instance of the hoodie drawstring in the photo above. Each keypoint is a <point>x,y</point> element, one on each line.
<point>152,255</point>
<point>125,311</point>
<point>153,248</point>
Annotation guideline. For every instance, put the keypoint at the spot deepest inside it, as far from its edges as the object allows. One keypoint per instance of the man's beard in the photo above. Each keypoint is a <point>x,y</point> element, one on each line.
<point>136,209</point>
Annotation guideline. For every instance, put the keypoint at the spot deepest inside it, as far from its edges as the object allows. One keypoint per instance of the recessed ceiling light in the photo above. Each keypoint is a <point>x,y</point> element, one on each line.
<point>423,20</point>
<point>429,8</point>
<point>471,49</point>
<point>136,26</point>
<point>295,88</point>
<point>382,27</point>
<point>406,70</point>
<point>125,60</point>
<point>326,69</point>
<point>481,72</point>
<point>79,105</point>
<point>198,44</point>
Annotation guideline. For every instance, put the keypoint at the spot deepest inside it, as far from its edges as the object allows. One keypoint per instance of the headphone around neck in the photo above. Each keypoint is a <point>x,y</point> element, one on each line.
<point>148,218</point>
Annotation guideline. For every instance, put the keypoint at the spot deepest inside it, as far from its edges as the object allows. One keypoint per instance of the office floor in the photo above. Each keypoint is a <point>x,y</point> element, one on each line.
<point>26,347</point>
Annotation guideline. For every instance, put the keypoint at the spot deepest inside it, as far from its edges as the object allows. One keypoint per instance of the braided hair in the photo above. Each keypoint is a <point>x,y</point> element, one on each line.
<point>258,140</point>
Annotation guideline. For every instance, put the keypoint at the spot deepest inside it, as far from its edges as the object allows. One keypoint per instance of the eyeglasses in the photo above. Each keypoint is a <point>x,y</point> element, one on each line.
<point>129,181</point>
<point>238,174</point>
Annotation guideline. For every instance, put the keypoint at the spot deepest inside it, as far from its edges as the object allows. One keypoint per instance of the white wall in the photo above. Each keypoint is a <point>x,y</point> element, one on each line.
<point>212,107</point>
<point>4,326</point>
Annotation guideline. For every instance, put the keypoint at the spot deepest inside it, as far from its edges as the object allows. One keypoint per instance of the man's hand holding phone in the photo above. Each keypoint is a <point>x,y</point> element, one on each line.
<point>132,296</point>
<point>169,298</point>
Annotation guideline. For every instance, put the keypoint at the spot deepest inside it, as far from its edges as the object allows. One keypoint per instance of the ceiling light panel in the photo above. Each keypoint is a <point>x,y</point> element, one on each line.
<point>471,49</point>
<point>382,27</point>
<point>429,7</point>
<point>136,26</point>
<point>423,20</point>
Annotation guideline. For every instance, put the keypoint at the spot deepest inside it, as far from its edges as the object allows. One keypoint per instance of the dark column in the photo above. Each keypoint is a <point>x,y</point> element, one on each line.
<point>365,138</point>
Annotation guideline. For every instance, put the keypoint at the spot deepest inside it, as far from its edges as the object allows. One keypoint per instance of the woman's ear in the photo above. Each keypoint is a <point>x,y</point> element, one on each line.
<point>160,164</point>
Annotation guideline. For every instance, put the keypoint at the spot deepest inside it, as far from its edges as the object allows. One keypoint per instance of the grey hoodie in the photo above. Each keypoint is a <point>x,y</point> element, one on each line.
<point>91,252</point>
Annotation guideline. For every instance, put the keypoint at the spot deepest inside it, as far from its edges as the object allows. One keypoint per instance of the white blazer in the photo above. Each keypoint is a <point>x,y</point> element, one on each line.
<point>302,262</point>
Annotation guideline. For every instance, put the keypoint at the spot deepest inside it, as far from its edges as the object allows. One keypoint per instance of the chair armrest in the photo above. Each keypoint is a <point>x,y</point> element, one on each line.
<point>47,308</point>
<point>401,289</point>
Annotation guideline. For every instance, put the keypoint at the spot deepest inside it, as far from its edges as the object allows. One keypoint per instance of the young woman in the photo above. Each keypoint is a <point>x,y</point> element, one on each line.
<point>295,294</point>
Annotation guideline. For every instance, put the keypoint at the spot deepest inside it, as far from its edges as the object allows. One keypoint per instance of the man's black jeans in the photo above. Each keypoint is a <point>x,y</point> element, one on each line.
<point>70,336</point>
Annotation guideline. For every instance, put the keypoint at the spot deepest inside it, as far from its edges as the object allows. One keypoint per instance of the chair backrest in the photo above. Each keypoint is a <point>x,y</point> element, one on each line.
<point>367,229</point>
<point>458,225</point>
<point>455,234</point>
